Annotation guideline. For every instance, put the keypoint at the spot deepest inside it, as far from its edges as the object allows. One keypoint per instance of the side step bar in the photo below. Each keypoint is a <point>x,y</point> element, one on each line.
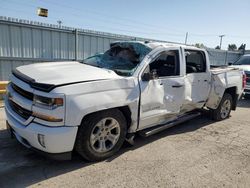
<point>158,128</point>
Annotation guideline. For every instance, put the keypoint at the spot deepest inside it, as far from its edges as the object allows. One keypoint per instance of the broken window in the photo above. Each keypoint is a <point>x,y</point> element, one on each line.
<point>122,57</point>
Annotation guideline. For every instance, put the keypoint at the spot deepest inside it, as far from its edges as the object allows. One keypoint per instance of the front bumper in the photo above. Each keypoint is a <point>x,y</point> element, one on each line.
<point>57,140</point>
<point>55,156</point>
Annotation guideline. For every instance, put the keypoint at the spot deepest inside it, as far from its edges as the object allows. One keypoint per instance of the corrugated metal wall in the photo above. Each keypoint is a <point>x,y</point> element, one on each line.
<point>222,57</point>
<point>24,42</point>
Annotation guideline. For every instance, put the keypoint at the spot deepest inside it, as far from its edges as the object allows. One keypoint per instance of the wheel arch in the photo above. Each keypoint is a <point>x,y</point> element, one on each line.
<point>233,92</point>
<point>125,110</point>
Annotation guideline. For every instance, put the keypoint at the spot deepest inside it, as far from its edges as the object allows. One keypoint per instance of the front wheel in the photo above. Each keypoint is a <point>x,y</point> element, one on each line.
<point>224,109</point>
<point>101,135</point>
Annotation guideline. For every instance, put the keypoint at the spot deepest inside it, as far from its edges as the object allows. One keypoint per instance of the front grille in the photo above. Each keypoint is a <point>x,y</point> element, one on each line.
<point>247,90</point>
<point>25,114</point>
<point>22,92</point>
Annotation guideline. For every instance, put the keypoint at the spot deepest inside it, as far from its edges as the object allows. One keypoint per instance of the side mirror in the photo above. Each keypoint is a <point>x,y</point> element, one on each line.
<point>146,76</point>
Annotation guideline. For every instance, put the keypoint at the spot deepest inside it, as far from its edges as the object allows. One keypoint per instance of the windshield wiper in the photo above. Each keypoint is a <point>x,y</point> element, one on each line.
<point>121,73</point>
<point>90,64</point>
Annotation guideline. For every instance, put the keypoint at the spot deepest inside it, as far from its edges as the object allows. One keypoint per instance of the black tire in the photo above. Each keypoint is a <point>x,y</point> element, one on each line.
<point>83,142</point>
<point>216,114</point>
<point>247,96</point>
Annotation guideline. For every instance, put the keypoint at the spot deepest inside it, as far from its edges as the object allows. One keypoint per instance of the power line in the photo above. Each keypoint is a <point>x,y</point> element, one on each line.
<point>110,16</point>
<point>101,20</point>
<point>103,26</point>
<point>132,23</point>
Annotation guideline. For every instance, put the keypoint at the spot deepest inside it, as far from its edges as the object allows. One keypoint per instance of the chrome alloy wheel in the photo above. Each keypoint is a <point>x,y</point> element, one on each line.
<point>105,135</point>
<point>225,108</point>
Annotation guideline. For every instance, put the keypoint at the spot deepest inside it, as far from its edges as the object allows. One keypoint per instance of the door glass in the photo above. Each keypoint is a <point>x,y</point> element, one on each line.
<point>195,61</point>
<point>166,64</point>
<point>197,79</point>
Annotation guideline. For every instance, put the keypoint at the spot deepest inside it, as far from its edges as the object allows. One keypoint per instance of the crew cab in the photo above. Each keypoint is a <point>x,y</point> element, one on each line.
<point>134,87</point>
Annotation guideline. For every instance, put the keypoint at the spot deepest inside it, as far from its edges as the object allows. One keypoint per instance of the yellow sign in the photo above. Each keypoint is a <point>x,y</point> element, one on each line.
<point>42,12</point>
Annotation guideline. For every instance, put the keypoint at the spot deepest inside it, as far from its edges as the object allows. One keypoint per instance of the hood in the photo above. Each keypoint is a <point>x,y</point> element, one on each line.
<point>54,74</point>
<point>243,67</point>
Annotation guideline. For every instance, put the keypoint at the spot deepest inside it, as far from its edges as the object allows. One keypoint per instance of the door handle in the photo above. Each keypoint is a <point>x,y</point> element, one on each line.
<point>177,86</point>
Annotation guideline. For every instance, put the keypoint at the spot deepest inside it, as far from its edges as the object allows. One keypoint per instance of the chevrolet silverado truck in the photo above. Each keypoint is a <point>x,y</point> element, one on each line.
<point>93,106</point>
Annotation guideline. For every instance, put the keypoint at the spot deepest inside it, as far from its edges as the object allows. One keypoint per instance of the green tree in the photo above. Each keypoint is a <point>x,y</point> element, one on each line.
<point>200,45</point>
<point>232,47</point>
<point>242,47</point>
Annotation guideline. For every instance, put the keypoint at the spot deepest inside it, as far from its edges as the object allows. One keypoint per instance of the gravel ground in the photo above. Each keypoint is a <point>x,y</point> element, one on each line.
<point>199,153</point>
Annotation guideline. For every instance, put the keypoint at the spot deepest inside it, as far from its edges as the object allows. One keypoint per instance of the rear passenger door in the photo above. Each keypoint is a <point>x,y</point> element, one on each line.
<point>197,78</point>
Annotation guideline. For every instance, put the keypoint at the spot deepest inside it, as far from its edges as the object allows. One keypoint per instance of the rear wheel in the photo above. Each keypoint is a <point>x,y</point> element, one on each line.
<point>224,109</point>
<point>101,135</point>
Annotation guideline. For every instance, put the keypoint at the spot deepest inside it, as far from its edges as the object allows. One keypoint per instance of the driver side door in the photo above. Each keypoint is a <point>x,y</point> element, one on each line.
<point>163,94</point>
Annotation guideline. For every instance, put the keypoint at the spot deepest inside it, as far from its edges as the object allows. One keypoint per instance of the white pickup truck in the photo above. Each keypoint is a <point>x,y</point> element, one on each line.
<point>134,87</point>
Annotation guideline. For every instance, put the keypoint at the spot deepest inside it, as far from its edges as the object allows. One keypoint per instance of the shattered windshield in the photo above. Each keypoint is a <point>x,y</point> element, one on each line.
<point>122,57</point>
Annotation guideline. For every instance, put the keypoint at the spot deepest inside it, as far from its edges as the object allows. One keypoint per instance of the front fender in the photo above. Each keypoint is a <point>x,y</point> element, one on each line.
<point>93,97</point>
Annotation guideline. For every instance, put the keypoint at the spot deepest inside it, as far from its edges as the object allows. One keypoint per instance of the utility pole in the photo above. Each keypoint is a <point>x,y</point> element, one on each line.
<point>186,37</point>
<point>59,23</point>
<point>221,36</point>
<point>76,45</point>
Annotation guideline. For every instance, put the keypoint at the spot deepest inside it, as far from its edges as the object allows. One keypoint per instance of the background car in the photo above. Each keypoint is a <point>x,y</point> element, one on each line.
<point>244,64</point>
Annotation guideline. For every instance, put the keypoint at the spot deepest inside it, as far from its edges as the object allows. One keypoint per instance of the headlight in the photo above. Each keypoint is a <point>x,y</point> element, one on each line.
<point>47,117</point>
<point>47,102</point>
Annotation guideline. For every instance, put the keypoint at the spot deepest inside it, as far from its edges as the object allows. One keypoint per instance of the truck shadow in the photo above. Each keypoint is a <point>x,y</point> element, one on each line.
<point>189,126</point>
<point>244,103</point>
<point>22,167</point>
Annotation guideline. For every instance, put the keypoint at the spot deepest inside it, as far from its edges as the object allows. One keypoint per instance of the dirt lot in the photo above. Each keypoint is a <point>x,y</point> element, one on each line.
<point>200,153</point>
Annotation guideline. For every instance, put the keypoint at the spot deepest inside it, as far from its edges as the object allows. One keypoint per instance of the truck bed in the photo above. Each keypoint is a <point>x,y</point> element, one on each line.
<point>222,78</point>
<point>221,69</point>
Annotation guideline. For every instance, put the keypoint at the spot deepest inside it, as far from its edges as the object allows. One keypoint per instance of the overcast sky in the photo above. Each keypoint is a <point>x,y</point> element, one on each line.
<point>204,20</point>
